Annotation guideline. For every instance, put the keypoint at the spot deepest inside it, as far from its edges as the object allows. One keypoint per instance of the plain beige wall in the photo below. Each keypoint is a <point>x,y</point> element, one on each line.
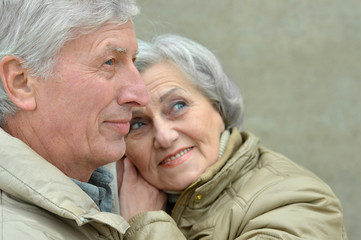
<point>296,63</point>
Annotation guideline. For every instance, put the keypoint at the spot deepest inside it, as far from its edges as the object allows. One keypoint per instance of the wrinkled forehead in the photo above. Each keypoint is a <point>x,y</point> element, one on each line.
<point>162,76</point>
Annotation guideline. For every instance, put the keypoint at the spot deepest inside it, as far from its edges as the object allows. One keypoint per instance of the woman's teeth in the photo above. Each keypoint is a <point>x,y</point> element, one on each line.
<point>176,156</point>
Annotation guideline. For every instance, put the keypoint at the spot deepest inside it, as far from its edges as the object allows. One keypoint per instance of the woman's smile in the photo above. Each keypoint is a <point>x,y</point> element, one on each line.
<point>177,159</point>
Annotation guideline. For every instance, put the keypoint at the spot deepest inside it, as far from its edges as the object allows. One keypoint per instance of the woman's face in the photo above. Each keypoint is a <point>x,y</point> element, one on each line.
<point>176,136</point>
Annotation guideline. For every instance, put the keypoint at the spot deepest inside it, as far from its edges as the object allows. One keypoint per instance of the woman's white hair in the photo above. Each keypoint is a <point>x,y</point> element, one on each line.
<point>35,31</point>
<point>201,66</point>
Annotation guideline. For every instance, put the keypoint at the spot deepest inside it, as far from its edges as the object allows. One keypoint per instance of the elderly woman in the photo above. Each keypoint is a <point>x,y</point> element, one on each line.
<point>221,183</point>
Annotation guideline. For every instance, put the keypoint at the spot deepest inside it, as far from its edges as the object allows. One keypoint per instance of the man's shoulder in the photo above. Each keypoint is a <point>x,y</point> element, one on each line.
<point>22,220</point>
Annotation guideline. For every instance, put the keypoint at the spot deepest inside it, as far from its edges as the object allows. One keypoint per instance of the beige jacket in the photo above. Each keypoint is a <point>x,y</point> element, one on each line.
<point>255,193</point>
<point>37,201</point>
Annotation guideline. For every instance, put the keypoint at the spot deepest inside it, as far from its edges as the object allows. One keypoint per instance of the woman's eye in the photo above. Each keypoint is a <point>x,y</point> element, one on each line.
<point>178,106</point>
<point>109,62</point>
<point>135,125</point>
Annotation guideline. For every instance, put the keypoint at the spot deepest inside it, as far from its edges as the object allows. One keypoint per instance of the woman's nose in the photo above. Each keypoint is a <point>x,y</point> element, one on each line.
<point>165,135</point>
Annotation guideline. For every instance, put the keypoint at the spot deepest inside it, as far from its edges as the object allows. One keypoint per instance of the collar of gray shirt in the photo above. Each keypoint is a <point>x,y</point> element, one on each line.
<point>98,188</point>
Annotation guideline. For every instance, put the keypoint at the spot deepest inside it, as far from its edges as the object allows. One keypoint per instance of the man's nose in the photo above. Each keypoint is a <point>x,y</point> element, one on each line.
<point>134,91</point>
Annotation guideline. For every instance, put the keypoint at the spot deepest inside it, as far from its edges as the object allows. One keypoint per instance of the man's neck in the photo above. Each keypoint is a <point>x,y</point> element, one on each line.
<point>46,147</point>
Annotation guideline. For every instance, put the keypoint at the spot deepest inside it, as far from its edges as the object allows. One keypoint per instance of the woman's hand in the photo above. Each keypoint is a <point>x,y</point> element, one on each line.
<point>135,194</point>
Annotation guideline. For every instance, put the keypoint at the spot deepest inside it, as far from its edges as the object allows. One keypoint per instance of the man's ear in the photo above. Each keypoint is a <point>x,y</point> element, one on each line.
<point>17,82</point>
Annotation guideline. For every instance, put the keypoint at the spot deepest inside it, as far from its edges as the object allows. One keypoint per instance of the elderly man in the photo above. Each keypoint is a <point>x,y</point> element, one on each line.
<point>68,86</point>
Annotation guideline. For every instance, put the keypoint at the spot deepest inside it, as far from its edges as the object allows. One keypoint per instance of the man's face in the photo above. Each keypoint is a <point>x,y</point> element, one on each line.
<point>84,109</point>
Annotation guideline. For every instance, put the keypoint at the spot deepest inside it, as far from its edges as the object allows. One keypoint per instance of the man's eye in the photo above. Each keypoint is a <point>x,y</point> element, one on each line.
<point>109,62</point>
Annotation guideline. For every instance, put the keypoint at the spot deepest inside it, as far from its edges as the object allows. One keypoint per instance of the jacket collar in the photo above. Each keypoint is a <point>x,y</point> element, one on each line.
<point>27,176</point>
<point>240,155</point>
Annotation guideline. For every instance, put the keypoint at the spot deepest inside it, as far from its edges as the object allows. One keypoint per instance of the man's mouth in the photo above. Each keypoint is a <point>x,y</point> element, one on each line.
<point>121,127</point>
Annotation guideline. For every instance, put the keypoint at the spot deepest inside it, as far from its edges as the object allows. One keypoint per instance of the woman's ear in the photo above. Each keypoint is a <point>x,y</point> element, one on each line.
<point>17,82</point>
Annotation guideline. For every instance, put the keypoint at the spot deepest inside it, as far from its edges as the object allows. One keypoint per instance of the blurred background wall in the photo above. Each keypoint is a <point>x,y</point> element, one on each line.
<point>296,62</point>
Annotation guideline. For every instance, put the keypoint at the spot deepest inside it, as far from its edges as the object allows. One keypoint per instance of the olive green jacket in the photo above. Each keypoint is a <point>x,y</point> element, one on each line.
<point>37,201</point>
<point>255,193</point>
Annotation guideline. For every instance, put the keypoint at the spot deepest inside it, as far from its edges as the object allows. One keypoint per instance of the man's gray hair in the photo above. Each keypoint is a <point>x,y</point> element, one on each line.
<point>35,31</point>
<point>201,66</point>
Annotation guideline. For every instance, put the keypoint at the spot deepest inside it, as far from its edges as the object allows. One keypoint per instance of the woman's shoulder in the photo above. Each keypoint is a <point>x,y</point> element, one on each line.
<point>273,173</point>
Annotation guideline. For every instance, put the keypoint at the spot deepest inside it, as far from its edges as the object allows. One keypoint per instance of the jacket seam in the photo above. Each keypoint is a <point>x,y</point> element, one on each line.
<point>39,194</point>
<point>137,228</point>
<point>267,235</point>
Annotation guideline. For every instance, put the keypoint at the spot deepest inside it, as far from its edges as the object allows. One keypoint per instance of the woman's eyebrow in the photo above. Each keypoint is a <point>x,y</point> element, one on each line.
<point>137,112</point>
<point>165,95</point>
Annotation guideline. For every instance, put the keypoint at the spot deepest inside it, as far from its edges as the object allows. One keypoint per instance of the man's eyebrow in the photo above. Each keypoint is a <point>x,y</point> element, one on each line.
<point>165,95</point>
<point>116,49</point>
